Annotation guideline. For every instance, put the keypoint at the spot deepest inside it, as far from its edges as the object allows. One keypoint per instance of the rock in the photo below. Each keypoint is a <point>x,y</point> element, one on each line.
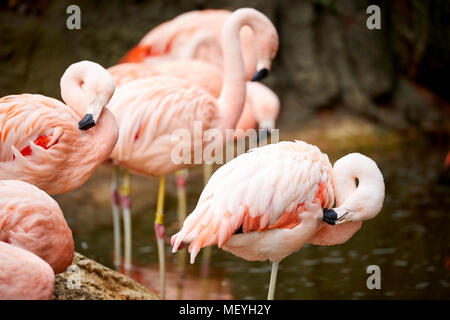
<point>89,280</point>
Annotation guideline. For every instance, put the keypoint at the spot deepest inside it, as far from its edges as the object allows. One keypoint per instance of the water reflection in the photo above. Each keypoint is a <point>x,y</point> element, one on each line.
<point>408,239</point>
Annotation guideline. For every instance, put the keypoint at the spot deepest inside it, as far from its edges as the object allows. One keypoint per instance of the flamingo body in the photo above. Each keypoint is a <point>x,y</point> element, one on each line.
<point>194,71</point>
<point>33,221</point>
<point>40,138</point>
<point>158,106</point>
<point>249,191</point>
<point>261,105</point>
<point>261,109</point>
<point>172,37</point>
<point>24,275</point>
<point>35,241</point>
<point>276,194</point>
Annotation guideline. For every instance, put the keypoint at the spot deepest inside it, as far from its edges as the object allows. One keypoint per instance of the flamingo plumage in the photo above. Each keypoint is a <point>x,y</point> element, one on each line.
<point>56,146</point>
<point>261,107</point>
<point>35,241</point>
<point>16,280</point>
<point>171,38</point>
<point>267,203</point>
<point>150,110</point>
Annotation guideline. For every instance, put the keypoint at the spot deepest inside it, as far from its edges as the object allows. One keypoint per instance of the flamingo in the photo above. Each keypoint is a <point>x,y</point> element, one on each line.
<point>267,203</point>
<point>171,38</point>
<point>261,109</point>
<point>151,109</point>
<point>56,146</point>
<point>175,47</point>
<point>188,47</point>
<point>35,241</point>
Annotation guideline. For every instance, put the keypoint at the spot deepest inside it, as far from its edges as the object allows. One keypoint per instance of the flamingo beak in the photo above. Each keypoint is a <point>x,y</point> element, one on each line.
<point>337,216</point>
<point>260,74</point>
<point>329,216</point>
<point>87,122</point>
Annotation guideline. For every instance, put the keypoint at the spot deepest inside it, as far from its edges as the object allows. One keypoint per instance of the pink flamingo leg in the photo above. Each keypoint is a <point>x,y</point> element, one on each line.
<point>160,232</point>
<point>273,280</point>
<point>115,201</point>
<point>181,180</point>
<point>126,207</point>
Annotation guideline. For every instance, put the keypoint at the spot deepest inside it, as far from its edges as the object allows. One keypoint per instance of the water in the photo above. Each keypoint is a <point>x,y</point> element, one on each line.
<point>408,240</point>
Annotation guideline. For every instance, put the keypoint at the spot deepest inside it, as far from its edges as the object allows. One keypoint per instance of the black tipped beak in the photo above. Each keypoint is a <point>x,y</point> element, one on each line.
<point>87,122</point>
<point>260,74</point>
<point>329,216</point>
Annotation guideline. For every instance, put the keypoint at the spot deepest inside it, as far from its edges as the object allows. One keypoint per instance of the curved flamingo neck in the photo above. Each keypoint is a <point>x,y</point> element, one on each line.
<point>370,182</point>
<point>232,96</point>
<point>71,89</point>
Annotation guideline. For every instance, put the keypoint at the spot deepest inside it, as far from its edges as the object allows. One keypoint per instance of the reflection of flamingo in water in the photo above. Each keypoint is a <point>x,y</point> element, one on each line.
<point>219,287</point>
<point>157,106</point>
<point>269,202</point>
<point>35,241</point>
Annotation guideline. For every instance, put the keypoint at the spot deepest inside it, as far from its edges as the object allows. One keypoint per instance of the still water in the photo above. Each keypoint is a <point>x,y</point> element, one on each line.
<point>408,240</point>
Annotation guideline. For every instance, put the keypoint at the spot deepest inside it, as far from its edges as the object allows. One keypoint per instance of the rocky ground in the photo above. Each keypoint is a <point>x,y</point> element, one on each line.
<point>89,280</point>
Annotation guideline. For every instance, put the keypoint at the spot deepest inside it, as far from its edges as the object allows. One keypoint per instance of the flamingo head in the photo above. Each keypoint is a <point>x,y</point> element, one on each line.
<point>98,87</point>
<point>266,42</point>
<point>360,190</point>
<point>87,87</point>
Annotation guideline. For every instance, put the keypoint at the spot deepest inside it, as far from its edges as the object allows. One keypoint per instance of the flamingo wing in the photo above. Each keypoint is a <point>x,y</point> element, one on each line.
<point>126,72</point>
<point>33,131</point>
<point>257,191</point>
<point>148,112</point>
<point>171,36</point>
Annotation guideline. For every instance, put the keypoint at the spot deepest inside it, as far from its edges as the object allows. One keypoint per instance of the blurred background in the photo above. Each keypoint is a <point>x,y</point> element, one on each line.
<point>343,87</point>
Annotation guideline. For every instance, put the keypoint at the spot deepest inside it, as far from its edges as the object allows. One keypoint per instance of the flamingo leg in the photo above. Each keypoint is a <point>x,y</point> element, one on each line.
<point>206,255</point>
<point>126,208</point>
<point>160,233</point>
<point>181,178</point>
<point>115,200</point>
<point>273,280</point>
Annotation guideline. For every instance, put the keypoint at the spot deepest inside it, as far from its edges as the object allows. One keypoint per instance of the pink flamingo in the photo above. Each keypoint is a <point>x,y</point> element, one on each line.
<point>175,47</point>
<point>172,37</point>
<point>54,146</point>
<point>35,241</point>
<point>269,202</point>
<point>158,106</point>
<point>261,107</point>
